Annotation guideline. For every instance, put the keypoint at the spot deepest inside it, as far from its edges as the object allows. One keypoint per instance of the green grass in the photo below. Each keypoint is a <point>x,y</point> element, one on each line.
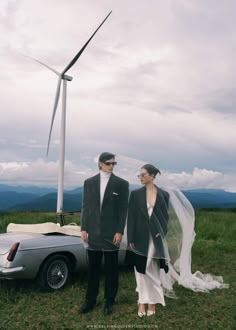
<point>24,306</point>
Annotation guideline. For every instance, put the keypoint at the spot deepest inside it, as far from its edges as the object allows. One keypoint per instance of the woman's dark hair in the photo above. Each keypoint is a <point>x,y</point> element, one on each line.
<point>151,169</point>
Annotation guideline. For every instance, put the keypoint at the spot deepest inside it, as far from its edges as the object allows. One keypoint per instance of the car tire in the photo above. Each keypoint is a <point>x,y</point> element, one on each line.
<point>55,273</point>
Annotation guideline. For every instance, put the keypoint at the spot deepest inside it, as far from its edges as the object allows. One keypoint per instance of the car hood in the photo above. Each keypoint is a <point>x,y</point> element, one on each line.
<point>8,239</point>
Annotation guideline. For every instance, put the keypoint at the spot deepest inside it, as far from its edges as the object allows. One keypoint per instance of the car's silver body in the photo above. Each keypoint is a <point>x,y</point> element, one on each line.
<point>35,249</point>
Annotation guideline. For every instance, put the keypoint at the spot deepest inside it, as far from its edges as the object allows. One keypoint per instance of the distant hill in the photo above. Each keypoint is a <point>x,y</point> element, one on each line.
<point>71,202</point>
<point>75,191</point>
<point>11,198</point>
<point>23,200</point>
<point>211,198</point>
<point>43,199</point>
<point>40,191</point>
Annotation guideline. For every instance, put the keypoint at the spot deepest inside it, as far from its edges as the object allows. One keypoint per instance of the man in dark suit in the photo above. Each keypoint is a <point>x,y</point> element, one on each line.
<point>105,202</point>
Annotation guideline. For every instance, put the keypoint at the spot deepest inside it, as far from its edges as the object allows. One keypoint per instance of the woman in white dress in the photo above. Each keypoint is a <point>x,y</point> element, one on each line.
<point>160,234</point>
<point>146,227</point>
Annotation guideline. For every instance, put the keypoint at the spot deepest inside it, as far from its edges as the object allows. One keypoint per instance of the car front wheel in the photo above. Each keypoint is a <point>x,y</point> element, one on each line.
<point>55,273</point>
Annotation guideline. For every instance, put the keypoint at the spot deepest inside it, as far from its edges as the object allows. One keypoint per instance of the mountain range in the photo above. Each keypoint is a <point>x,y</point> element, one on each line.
<point>31,198</point>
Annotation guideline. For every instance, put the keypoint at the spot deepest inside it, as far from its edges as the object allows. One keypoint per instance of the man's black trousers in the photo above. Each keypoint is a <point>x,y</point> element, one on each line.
<point>110,272</point>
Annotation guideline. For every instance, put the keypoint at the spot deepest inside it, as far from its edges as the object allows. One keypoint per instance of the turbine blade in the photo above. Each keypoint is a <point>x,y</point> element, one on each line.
<point>47,66</point>
<point>54,111</point>
<point>83,48</point>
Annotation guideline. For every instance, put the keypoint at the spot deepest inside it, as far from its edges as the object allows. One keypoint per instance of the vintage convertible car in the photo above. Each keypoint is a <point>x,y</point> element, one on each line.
<point>47,252</point>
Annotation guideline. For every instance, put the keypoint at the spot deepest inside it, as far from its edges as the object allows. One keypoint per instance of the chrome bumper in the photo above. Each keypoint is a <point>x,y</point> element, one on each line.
<point>7,272</point>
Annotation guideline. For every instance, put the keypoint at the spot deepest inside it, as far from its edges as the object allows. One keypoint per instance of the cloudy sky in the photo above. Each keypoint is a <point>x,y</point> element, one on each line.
<point>156,84</point>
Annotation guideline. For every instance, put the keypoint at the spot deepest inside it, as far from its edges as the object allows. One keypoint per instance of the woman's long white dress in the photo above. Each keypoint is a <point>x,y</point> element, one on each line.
<point>149,286</point>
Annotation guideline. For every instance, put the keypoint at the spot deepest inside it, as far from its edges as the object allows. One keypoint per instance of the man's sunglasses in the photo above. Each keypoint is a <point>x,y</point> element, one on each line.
<point>110,163</point>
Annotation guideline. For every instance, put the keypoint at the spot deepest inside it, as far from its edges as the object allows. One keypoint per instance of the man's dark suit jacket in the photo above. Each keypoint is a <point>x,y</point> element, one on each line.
<point>102,222</point>
<point>139,226</point>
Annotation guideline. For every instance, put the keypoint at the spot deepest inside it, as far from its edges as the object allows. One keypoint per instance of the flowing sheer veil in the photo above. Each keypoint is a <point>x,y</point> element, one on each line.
<point>181,226</point>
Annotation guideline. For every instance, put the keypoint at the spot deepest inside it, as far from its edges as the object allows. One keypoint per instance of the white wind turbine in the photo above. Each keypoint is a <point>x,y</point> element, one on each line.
<point>65,78</point>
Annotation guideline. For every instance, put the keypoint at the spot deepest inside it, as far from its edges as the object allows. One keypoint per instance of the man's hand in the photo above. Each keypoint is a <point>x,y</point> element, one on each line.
<point>131,245</point>
<point>84,236</point>
<point>117,238</point>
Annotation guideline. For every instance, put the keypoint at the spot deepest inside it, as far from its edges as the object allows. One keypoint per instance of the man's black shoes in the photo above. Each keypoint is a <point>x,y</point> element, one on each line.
<point>107,310</point>
<point>87,307</point>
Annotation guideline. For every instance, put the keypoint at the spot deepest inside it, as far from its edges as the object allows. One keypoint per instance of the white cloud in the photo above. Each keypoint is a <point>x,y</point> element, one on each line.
<point>201,178</point>
<point>41,173</point>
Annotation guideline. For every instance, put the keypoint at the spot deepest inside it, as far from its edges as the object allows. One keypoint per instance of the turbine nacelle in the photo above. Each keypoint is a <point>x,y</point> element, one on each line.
<point>65,77</point>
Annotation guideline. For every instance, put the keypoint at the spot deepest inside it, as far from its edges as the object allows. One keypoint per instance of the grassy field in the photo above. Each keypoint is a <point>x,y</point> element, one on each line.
<point>24,306</point>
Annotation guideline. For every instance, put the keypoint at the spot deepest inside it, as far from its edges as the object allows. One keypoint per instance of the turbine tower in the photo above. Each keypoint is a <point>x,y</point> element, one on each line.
<point>65,78</point>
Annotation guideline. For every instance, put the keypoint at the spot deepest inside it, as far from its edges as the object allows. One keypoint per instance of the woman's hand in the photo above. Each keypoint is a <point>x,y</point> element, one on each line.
<point>131,245</point>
